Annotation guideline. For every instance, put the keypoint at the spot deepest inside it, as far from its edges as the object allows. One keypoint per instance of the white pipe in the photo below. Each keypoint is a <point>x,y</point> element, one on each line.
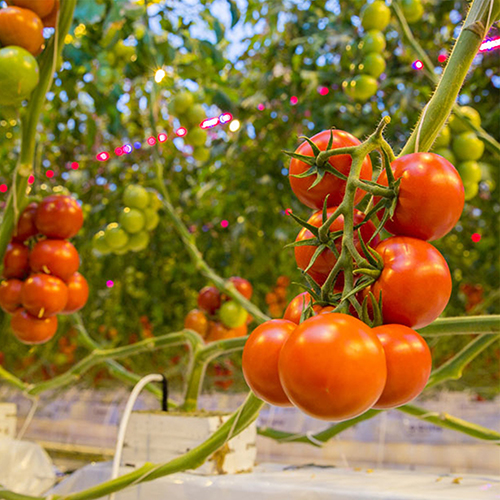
<point>154,377</point>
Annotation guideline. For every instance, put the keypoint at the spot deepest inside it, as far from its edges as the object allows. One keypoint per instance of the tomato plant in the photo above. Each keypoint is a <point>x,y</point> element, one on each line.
<point>467,146</point>
<point>26,224</point>
<point>16,261</point>
<point>232,314</point>
<point>40,7</point>
<point>196,320</point>
<point>375,15</point>
<point>209,299</point>
<point>293,312</point>
<point>31,330</point>
<point>10,295</point>
<point>44,295</point>
<point>242,285</point>
<point>78,293</point>
<point>22,28</point>
<point>18,75</point>
<point>59,217</point>
<point>57,257</point>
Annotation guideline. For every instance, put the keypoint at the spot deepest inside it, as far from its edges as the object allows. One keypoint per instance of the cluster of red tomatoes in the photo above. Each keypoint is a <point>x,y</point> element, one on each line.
<point>219,317</point>
<point>40,267</point>
<point>276,298</point>
<point>21,35</point>
<point>334,366</point>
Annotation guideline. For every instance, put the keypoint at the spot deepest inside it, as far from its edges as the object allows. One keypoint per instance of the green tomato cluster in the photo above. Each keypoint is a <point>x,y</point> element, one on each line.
<point>135,222</point>
<point>466,150</point>
<point>190,115</point>
<point>413,10</point>
<point>375,18</point>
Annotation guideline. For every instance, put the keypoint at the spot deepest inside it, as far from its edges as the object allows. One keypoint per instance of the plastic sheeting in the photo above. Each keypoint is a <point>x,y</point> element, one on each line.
<point>276,482</point>
<point>25,467</point>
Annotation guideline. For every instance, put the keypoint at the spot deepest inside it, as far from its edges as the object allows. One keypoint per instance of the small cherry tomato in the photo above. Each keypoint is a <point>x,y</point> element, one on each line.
<point>260,360</point>
<point>41,8</point>
<point>59,217</point>
<point>409,364</point>
<point>332,367</point>
<point>217,331</point>
<point>196,320</point>
<point>26,224</point>
<point>31,330</point>
<point>243,286</point>
<point>415,283</point>
<point>431,196</point>
<point>49,21</point>
<point>78,293</point>
<point>21,27</point>
<point>209,299</point>
<point>331,185</point>
<point>57,257</point>
<point>10,295</point>
<point>16,261</point>
<point>232,314</point>
<point>44,295</point>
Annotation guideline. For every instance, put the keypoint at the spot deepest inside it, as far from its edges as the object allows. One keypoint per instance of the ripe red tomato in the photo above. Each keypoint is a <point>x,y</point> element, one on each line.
<point>326,260</point>
<point>78,293</point>
<point>41,8</point>
<point>57,257</point>
<point>15,261</point>
<point>49,21</point>
<point>330,184</point>
<point>409,364</point>
<point>209,299</point>
<point>59,216</point>
<point>26,224</point>
<point>297,305</point>
<point>31,330</point>
<point>260,360</point>
<point>10,295</point>
<point>415,282</point>
<point>243,286</point>
<point>431,196</point>
<point>197,321</point>
<point>217,331</point>
<point>21,27</point>
<point>333,367</point>
<point>44,295</point>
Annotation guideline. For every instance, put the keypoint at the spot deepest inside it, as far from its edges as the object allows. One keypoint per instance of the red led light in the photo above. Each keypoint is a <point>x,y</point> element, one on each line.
<point>225,118</point>
<point>294,100</point>
<point>494,43</point>
<point>49,174</point>
<point>31,179</point>
<point>162,137</point>
<point>210,122</point>
<point>476,237</point>
<point>442,57</point>
<point>261,107</point>
<point>323,90</point>
<point>418,65</point>
<point>102,156</point>
<point>224,223</point>
<point>181,132</point>
<point>118,151</point>
<point>74,165</point>
<point>151,141</point>
<point>288,211</point>
<point>3,188</point>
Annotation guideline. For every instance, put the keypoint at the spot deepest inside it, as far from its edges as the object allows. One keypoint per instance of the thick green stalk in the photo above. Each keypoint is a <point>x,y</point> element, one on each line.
<point>17,197</point>
<point>462,325</point>
<point>438,109</point>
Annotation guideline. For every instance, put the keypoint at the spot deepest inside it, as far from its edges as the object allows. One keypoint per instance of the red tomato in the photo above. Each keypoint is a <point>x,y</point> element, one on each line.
<point>78,293</point>
<point>330,184</point>
<point>44,295</point>
<point>57,257</point>
<point>297,305</point>
<point>431,196</point>
<point>326,260</point>
<point>197,321</point>
<point>333,367</point>
<point>21,27</point>
<point>31,330</point>
<point>408,361</point>
<point>26,224</point>
<point>16,261</point>
<point>217,331</point>
<point>415,282</point>
<point>243,286</point>
<point>41,8</point>
<point>10,295</point>
<point>59,217</point>
<point>209,299</point>
<point>49,21</point>
<point>260,360</point>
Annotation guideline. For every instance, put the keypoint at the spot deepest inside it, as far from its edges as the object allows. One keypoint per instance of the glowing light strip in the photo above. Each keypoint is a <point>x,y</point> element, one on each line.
<point>490,44</point>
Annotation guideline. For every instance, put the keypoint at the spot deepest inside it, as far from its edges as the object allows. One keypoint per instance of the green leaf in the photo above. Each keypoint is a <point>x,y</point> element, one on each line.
<point>315,148</point>
<point>303,223</point>
<point>235,12</point>
<point>316,254</point>
<point>319,177</point>
<point>310,160</point>
<point>304,243</point>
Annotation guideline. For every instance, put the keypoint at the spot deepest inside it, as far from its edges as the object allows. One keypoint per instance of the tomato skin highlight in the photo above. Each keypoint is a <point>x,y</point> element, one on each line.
<point>260,360</point>
<point>22,28</point>
<point>10,295</point>
<point>431,196</point>
<point>329,185</point>
<point>57,257</point>
<point>327,259</point>
<point>333,367</point>
<point>16,261</point>
<point>44,295</point>
<point>415,282</point>
<point>78,293</point>
<point>31,330</point>
<point>409,365</point>
<point>59,217</point>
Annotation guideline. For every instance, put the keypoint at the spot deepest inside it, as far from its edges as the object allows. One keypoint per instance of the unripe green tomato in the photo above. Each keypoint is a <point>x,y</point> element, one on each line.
<point>154,200</point>
<point>362,87</point>
<point>448,154</point>
<point>201,154</point>
<point>443,139</point>
<point>115,236</point>
<point>470,190</point>
<point>375,15</point>
<point>121,251</point>
<point>470,172</point>
<point>196,137</point>
<point>195,115</point>
<point>468,146</point>
<point>18,75</point>
<point>9,112</point>
<point>413,10</point>
<point>99,243</point>
<point>373,64</point>
<point>373,41</point>
<point>138,241</point>
<point>152,219</point>
<point>135,196</point>
<point>181,103</point>
<point>471,114</point>
<point>232,314</point>
<point>132,220</point>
